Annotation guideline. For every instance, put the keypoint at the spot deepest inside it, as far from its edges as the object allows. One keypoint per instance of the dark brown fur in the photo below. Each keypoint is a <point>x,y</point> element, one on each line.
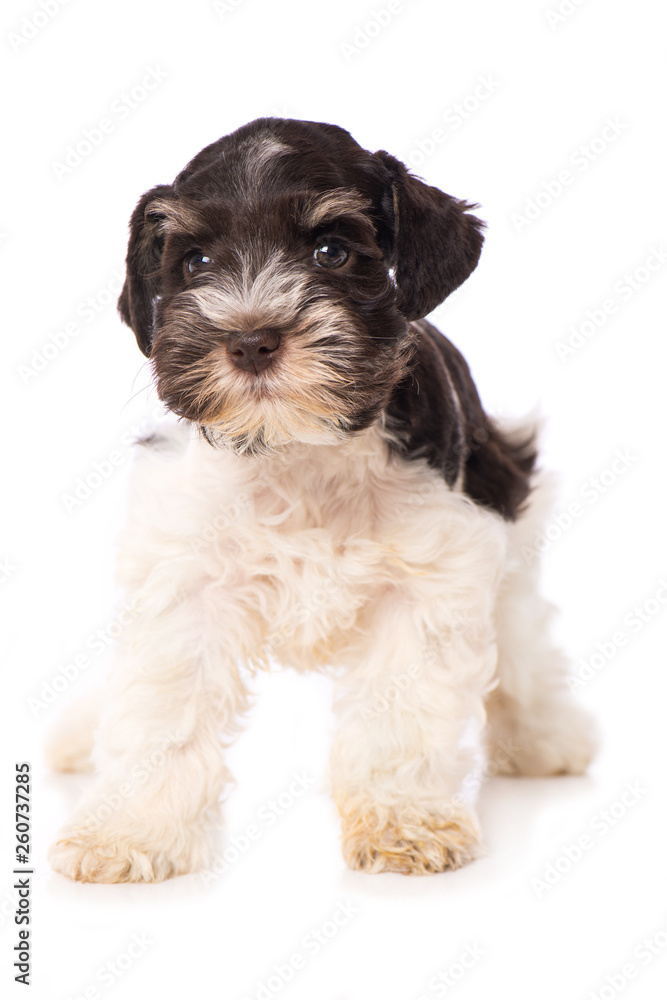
<point>458,439</point>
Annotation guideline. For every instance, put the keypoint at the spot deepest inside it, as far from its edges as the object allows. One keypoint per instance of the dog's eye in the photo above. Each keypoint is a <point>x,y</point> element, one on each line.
<point>330,254</point>
<point>195,261</point>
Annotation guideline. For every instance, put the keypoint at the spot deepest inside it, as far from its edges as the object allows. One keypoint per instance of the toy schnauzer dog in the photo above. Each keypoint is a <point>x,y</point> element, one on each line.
<point>333,495</point>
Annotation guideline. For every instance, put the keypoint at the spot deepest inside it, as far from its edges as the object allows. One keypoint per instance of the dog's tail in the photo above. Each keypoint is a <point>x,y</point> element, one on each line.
<point>501,464</point>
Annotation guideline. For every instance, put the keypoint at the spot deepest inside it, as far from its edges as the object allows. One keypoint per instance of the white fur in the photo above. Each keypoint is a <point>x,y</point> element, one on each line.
<point>316,554</point>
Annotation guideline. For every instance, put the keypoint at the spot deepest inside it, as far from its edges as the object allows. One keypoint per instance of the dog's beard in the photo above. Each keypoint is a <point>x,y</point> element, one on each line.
<point>329,377</point>
<point>266,431</point>
<point>299,401</point>
<point>313,392</point>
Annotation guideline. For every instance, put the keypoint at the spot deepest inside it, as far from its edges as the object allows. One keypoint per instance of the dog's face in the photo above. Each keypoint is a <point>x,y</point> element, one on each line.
<point>273,283</point>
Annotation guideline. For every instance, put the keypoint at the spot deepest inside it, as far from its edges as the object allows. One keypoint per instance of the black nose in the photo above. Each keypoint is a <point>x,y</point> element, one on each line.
<point>253,350</point>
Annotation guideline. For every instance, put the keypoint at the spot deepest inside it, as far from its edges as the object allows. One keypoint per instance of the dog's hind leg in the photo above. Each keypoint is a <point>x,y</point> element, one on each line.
<point>70,742</point>
<point>535,727</point>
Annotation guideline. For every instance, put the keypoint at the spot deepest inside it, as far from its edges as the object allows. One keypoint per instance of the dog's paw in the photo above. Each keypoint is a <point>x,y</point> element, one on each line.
<point>89,856</point>
<point>561,739</point>
<point>407,839</point>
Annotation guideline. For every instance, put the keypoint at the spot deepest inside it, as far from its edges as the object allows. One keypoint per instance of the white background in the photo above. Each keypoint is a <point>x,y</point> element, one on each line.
<point>553,85</point>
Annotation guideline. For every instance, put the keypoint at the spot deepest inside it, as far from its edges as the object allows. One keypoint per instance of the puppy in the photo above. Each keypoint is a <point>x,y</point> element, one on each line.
<point>334,495</point>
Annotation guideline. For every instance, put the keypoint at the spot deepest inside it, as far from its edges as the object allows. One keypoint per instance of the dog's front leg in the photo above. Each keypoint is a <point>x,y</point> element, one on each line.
<point>407,710</point>
<point>158,751</point>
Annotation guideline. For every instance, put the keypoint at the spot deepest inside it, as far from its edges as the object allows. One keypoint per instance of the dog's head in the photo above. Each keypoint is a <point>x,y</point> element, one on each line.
<point>273,282</point>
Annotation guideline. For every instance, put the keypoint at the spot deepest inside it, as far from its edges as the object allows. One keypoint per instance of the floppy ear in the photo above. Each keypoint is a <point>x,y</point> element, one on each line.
<point>436,244</point>
<point>142,281</point>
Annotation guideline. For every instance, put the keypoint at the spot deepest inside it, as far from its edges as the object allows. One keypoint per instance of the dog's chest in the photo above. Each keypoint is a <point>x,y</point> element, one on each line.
<point>310,537</point>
